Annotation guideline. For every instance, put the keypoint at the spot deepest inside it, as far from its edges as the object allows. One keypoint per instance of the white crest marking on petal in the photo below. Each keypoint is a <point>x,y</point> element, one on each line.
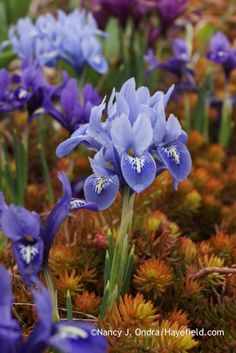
<point>71,332</point>
<point>28,252</point>
<point>172,153</point>
<point>136,162</point>
<point>76,203</point>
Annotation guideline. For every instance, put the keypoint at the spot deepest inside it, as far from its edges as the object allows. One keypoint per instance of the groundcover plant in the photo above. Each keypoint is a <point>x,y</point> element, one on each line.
<point>117,176</point>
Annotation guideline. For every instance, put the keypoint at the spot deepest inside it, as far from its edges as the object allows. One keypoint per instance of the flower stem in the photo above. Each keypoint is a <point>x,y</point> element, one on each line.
<point>120,259</point>
<point>52,292</point>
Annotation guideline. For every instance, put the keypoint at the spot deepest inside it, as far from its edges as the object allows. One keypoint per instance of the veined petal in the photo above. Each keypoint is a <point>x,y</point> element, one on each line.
<point>159,131</point>
<point>173,129</point>
<point>101,190</point>
<point>29,257</point>
<point>142,134</point>
<point>177,160</point>
<point>138,172</point>
<point>122,106</point>
<point>121,133</point>
<point>143,95</point>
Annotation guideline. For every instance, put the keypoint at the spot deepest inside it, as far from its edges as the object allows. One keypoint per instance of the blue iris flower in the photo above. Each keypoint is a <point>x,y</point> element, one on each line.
<point>31,239</point>
<point>132,146</point>
<point>65,336</point>
<point>72,37</point>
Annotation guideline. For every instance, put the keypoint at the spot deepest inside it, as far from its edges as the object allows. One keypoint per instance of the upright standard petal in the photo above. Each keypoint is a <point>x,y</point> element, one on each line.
<point>142,134</point>
<point>101,190</point>
<point>121,133</point>
<point>177,160</point>
<point>173,129</point>
<point>139,172</point>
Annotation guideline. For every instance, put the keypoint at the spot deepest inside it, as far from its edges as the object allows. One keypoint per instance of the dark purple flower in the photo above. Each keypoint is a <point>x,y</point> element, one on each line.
<point>66,336</point>
<point>74,110</point>
<point>34,89</point>
<point>221,53</point>
<point>32,239</point>
<point>22,227</point>
<point>121,9</point>
<point>10,333</point>
<point>169,11</point>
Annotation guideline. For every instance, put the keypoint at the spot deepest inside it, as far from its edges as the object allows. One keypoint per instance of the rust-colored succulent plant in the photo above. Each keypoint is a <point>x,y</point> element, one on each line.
<point>155,276</point>
<point>87,303</point>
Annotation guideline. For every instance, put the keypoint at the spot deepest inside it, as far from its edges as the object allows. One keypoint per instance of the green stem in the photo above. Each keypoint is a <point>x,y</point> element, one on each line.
<point>120,258</point>
<point>52,292</point>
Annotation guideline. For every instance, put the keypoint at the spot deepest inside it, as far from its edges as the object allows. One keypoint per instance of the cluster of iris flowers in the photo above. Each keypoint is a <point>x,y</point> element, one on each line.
<point>134,145</point>
<point>71,37</point>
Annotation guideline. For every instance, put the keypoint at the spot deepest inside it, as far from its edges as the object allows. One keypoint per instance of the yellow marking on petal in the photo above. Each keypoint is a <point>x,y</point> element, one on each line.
<point>29,237</point>
<point>100,184</point>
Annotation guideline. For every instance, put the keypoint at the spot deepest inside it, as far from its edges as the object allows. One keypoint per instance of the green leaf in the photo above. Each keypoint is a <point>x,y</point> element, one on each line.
<point>6,58</point>
<point>128,272</point>
<point>69,306</point>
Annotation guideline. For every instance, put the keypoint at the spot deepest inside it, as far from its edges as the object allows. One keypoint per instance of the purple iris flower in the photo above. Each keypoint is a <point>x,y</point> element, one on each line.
<point>22,227</point>
<point>221,53</point>
<point>169,11</point>
<point>10,332</point>
<point>8,101</point>
<point>33,90</point>
<point>134,145</point>
<point>74,110</point>
<point>178,65</point>
<point>32,239</point>
<point>122,9</point>
<point>66,336</point>
<point>72,37</point>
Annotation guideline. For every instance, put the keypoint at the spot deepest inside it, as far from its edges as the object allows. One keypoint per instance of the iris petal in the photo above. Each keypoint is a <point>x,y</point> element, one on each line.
<point>138,172</point>
<point>76,204</point>
<point>177,160</point>
<point>18,222</point>
<point>29,257</point>
<point>101,190</point>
